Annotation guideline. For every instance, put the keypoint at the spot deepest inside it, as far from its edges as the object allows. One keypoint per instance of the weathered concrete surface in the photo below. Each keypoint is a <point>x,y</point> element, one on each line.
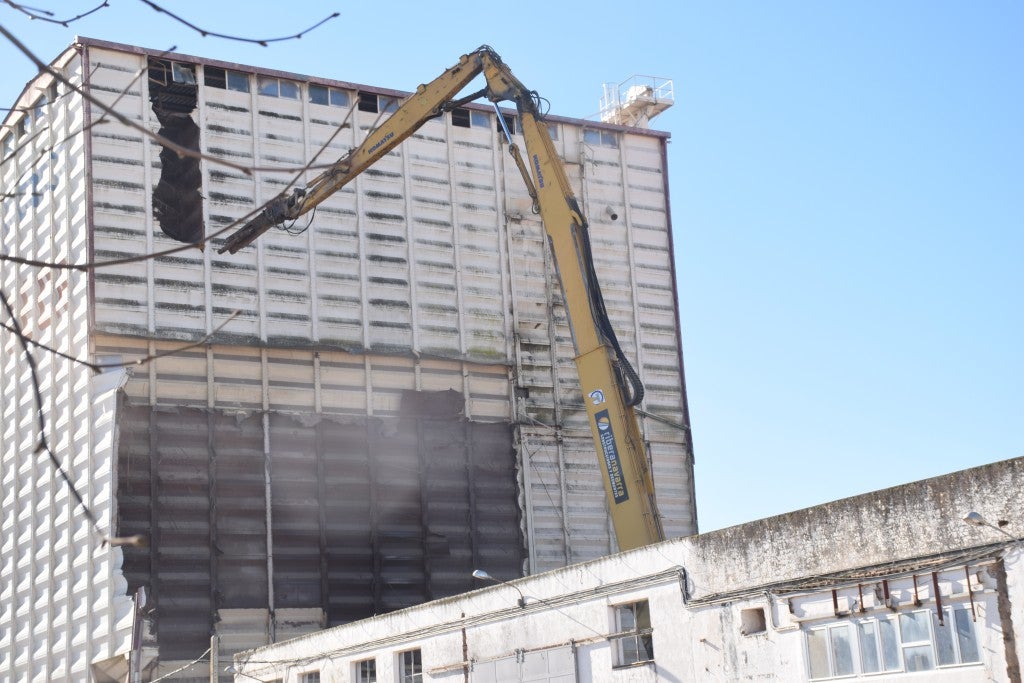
<point>917,519</point>
<point>706,593</point>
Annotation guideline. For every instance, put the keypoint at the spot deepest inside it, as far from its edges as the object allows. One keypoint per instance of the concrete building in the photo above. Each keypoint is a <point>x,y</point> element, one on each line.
<point>380,401</point>
<point>889,586</point>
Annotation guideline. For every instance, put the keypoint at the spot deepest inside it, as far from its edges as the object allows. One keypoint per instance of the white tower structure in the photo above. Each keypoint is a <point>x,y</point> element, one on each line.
<point>636,100</point>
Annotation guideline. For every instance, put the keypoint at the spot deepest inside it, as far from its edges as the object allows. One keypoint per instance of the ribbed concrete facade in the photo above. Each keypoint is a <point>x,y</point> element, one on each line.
<point>394,402</point>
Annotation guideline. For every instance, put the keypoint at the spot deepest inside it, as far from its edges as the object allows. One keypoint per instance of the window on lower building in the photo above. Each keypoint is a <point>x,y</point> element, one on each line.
<point>633,639</point>
<point>410,667</point>
<point>309,677</point>
<point>366,671</point>
<point>908,641</point>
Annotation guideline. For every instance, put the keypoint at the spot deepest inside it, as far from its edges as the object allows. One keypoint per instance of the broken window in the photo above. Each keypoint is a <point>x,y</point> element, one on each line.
<point>633,641</point>
<point>511,123</point>
<point>177,202</point>
<point>368,102</point>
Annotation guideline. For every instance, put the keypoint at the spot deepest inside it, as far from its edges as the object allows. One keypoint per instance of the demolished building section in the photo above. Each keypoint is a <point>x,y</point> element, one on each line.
<point>387,399</point>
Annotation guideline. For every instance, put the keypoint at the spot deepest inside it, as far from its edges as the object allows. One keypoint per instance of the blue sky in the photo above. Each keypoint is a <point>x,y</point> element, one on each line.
<point>847,188</point>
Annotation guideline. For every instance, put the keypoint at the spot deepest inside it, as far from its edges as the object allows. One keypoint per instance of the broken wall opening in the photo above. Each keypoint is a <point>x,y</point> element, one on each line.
<point>367,515</point>
<point>177,201</point>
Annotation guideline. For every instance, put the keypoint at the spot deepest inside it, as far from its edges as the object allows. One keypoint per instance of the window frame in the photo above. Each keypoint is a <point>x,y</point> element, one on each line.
<point>263,84</point>
<point>332,97</point>
<point>365,670</point>
<point>226,79</point>
<point>633,630</point>
<point>604,138</point>
<point>410,670</point>
<point>962,645</point>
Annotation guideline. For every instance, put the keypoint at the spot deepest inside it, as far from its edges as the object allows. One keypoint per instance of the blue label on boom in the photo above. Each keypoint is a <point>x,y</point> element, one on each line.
<point>611,456</point>
<point>381,142</point>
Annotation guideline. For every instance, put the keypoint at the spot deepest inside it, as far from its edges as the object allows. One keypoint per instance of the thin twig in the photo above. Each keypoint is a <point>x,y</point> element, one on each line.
<point>258,41</point>
<point>41,14</point>
<point>121,118</point>
<point>42,444</point>
<point>99,367</point>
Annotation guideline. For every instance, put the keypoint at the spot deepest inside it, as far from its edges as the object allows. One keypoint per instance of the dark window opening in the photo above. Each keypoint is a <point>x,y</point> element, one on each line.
<point>511,122</point>
<point>460,117</point>
<point>753,621</point>
<point>368,102</point>
<point>177,202</point>
<point>215,78</point>
<point>225,79</point>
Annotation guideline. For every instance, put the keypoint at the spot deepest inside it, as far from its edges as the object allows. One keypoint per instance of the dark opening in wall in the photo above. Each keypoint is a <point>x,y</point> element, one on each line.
<point>753,621</point>
<point>368,102</point>
<point>177,202</point>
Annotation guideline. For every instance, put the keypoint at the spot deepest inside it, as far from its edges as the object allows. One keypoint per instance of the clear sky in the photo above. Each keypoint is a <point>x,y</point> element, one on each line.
<point>847,188</point>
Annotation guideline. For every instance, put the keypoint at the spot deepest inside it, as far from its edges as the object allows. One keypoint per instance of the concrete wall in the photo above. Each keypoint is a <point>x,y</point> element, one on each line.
<point>755,625</point>
<point>430,265</point>
<point>63,601</point>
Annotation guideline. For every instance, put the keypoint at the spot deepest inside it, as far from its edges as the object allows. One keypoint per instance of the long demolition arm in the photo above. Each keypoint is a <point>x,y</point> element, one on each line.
<point>610,385</point>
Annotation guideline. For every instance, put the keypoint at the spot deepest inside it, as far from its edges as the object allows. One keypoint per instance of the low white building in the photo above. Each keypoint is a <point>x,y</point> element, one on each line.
<point>891,585</point>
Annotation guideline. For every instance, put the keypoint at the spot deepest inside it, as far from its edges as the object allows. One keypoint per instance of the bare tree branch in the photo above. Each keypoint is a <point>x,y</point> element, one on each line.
<point>100,367</point>
<point>46,15</point>
<point>258,41</point>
